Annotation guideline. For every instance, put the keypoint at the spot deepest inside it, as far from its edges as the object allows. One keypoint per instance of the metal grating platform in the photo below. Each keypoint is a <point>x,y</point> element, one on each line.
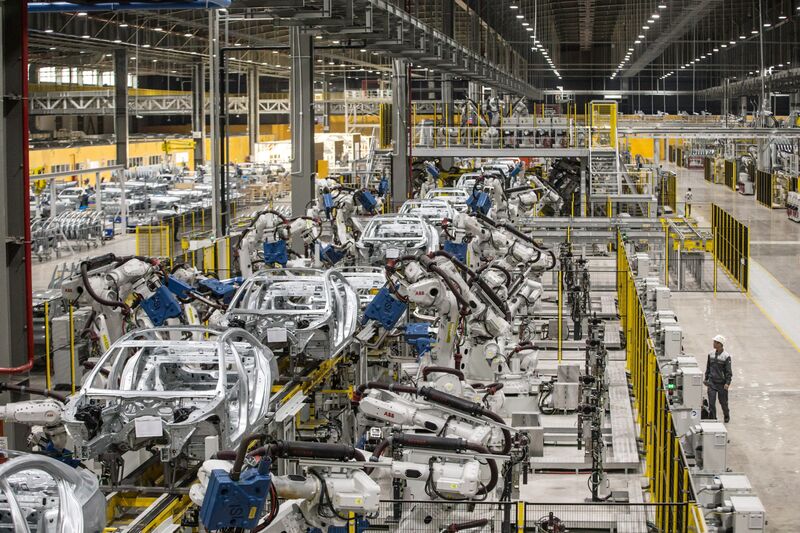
<point>611,336</point>
<point>624,450</point>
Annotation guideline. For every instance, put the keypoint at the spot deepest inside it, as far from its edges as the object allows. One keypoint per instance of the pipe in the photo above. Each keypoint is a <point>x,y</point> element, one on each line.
<point>26,208</point>
<point>67,7</point>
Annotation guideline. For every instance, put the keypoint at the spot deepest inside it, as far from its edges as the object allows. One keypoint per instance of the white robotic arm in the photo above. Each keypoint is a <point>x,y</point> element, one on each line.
<point>45,412</point>
<point>404,413</point>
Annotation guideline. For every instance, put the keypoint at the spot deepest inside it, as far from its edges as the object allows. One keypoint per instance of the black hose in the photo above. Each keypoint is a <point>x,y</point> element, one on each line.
<point>430,442</point>
<point>442,398</point>
<point>442,370</point>
<point>454,528</point>
<point>490,293</point>
<point>393,387</point>
<point>96,297</point>
<point>242,452</point>
<point>462,302</point>
<point>22,389</point>
<point>519,189</point>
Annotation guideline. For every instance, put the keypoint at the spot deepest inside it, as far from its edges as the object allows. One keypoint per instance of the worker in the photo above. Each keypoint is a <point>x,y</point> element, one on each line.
<point>688,209</point>
<point>718,378</point>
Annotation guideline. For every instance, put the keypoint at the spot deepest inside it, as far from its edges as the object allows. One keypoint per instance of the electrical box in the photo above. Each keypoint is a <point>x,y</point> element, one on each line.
<point>62,355</point>
<point>568,372</point>
<point>672,337</point>
<point>642,262</point>
<point>662,299</point>
<point>749,515</point>
<point>713,447</point>
<point>565,396</point>
<point>691,385</point>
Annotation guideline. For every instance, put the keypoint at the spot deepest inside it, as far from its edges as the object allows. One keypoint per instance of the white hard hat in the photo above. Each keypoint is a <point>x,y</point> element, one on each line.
<point>720,339</point>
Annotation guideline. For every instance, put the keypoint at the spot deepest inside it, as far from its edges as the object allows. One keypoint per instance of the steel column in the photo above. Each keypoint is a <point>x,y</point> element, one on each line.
<point>252,110</point>
<point>301,118</point>
<point>121,105</point>
<point>400,132</point>
<point>448,22</point>
<point>199,113</point>
<point>214,88</point>
<point>16,335</point>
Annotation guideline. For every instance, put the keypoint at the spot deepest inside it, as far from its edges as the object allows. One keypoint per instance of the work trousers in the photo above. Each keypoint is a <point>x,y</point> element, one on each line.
<point>712,401</point>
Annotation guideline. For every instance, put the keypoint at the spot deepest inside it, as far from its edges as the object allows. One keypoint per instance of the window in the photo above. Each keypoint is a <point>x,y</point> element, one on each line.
<point>60,168</point>
<point>47,75</point>
<point>89,77</point>
<point>111,162</point>
<point>107,78</point>
<point>154,160</point>
<point>135,161</point>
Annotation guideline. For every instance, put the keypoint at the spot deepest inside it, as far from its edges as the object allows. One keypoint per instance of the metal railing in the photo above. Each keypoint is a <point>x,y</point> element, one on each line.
<point>431,135</point>
<point>517,516</point>
<point>666,467</point>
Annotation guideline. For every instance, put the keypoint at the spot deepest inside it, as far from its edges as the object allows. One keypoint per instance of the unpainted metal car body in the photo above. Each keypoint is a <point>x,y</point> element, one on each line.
<point>366,281</point>
<point>314,311</point>
<point>456,197</point>
<point>170,388</point>
<point>39,494</point>
<point>391,236</point>
<point>432,211</point>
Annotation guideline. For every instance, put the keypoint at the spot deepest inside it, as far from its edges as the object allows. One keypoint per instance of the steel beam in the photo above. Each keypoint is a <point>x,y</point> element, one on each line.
<point>301,118</point>
<point>121,125</point>
<point>784,80</point>
<point>199,113</point>
<point>693,12</point>
<point>253,120</point>
<point>400,132</point>
<point>422,151</point>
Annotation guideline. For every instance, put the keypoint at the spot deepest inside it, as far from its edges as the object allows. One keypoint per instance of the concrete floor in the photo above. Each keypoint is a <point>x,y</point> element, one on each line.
<point>763,335</point>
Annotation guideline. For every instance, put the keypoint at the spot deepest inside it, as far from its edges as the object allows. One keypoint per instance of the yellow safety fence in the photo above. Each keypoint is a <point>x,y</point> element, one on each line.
<point>216,258</point>
<point>667,195</point>
<point>730,174</point>
<point>708,169</point>
<point>666,467</point>
<point>153,241</point>
<point>731,246</point>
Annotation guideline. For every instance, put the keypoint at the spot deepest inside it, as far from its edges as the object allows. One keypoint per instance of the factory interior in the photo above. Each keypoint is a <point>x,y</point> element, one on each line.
<point>418,266</point>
